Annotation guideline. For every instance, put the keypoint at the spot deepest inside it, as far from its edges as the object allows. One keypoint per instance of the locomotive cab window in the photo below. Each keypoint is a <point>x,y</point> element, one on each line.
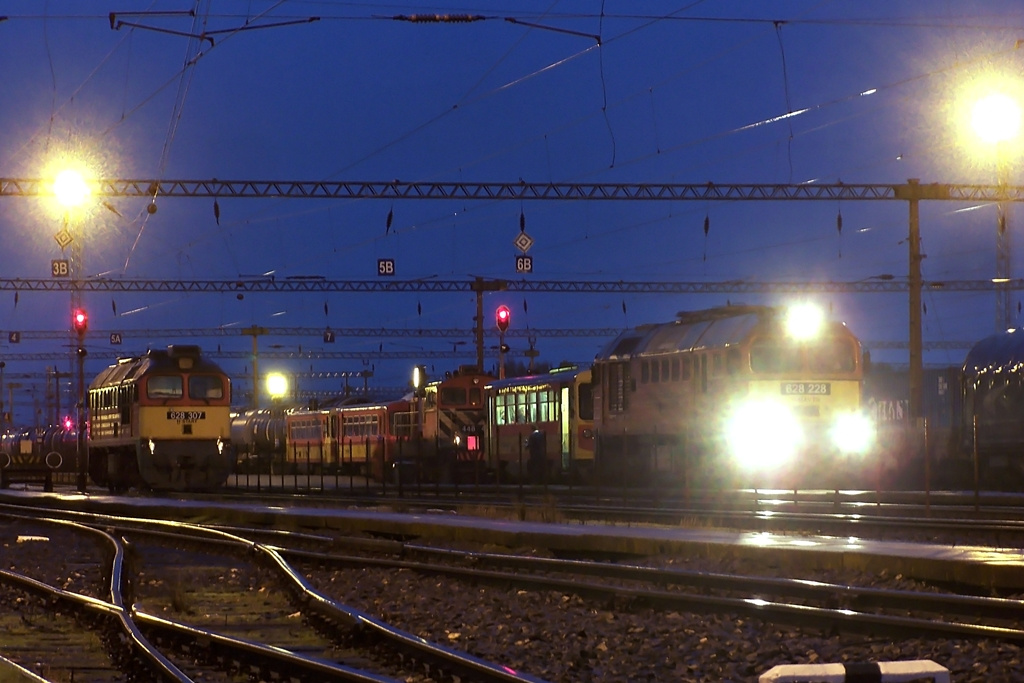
<point>769,355</point>
<point>453,396</point>
<point>205,387</point>
<point>832,355</point>
<point>164,386</point>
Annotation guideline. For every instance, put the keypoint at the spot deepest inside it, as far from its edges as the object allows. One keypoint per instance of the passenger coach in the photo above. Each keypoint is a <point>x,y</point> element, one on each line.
<point>560,404</point>
<point>772,395</point>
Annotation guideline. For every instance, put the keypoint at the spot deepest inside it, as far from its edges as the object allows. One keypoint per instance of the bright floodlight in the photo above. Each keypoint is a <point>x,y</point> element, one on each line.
<point>804,321</point>
<point>277,385</point>
<point>996,118</point>
<point>70,188</point>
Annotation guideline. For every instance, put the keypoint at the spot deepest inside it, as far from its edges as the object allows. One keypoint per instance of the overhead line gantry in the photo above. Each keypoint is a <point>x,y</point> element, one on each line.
<point>153,189</point>
<point>537,286</point>
<point>912,192</point>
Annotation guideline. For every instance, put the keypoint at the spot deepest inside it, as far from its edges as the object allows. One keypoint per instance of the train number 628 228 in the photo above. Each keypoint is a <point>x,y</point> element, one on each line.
<point>806,388</point>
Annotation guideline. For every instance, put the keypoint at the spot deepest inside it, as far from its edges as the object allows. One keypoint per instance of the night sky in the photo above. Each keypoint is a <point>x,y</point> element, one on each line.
<point>547,92</point>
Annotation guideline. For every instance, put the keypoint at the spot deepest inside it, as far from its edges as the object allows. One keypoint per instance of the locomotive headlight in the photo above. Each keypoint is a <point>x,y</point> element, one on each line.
<point>458,439</point>
<point>152,446</point>
<point>763,434</point>
<point>853,433</point>
<point>220,447</point>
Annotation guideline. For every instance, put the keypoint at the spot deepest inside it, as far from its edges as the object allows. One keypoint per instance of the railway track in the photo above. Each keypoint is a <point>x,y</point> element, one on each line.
<point>135,638</point>
<point>366,573</point>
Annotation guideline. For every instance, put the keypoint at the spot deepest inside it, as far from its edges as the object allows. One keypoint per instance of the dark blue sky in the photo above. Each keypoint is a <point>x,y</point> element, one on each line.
<point>680,92</point>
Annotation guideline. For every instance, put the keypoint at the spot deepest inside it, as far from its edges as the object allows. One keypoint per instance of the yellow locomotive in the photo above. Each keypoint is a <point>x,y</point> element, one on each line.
<point>734,394</point>
<point>161,421</point>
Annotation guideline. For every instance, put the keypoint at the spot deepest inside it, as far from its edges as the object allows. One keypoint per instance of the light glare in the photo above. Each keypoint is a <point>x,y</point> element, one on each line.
<point>277,384</point>
<point>804,321</point>
<point>763,435</point>
<point>853,433</point>
<point>70,188</point>
<point>996,118</point>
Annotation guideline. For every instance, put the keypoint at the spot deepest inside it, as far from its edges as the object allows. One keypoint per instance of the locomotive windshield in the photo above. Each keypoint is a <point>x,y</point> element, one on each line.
<point>769,355</point>
<point>778,355</point>
<point>832,355</point>
<point>205,386</point>
<point>164,386</point>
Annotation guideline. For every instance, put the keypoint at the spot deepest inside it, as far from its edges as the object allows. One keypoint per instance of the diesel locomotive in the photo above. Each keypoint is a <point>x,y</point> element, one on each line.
<point>161,421</point>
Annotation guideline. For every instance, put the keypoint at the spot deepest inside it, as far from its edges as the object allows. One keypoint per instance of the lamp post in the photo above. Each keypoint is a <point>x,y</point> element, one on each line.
<point>71,190</point>
<point>419,381</point>
<point>277,386</point>
<point>996,119</point>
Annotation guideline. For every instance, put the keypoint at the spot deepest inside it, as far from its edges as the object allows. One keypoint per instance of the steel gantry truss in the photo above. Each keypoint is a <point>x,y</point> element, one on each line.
<point>323,285</point>
<point>912,192</point>
<point>153,189</point>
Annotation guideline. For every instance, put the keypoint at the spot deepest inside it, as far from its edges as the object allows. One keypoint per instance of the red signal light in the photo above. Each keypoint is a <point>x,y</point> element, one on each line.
<point>68,423</point>
<point>80,320</point>
<point>502,317</point>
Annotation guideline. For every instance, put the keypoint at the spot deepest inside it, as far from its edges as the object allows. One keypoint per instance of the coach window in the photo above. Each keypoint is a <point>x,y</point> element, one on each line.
<point>547,408</point>
<point>655,375</point>
<point>645,372</point>
<point>499,409</point>
<point>164,386</point>
<point>716,364</point>
<point>687,367</point>
<point>675,369</point>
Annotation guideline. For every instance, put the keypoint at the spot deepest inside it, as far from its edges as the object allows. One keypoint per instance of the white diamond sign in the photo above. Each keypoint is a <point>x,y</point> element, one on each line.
<point>523,242</point>
<point>63,238</point>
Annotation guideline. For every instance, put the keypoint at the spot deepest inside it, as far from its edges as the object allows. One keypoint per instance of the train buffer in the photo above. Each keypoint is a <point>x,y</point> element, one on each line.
<point>870,672</point>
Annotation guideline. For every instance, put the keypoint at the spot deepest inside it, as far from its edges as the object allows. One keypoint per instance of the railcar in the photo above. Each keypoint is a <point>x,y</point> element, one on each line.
<point>37,454</point>
<point>730,395</point>
<point>371,436</point>
<point>447,426</point>
<point>436,436</point>
<point>911,453</point>
<point>310,445</point>
<point>991,419</point>
<point>161,421</point>
<point>559,404</point>
<point>258,437</point>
